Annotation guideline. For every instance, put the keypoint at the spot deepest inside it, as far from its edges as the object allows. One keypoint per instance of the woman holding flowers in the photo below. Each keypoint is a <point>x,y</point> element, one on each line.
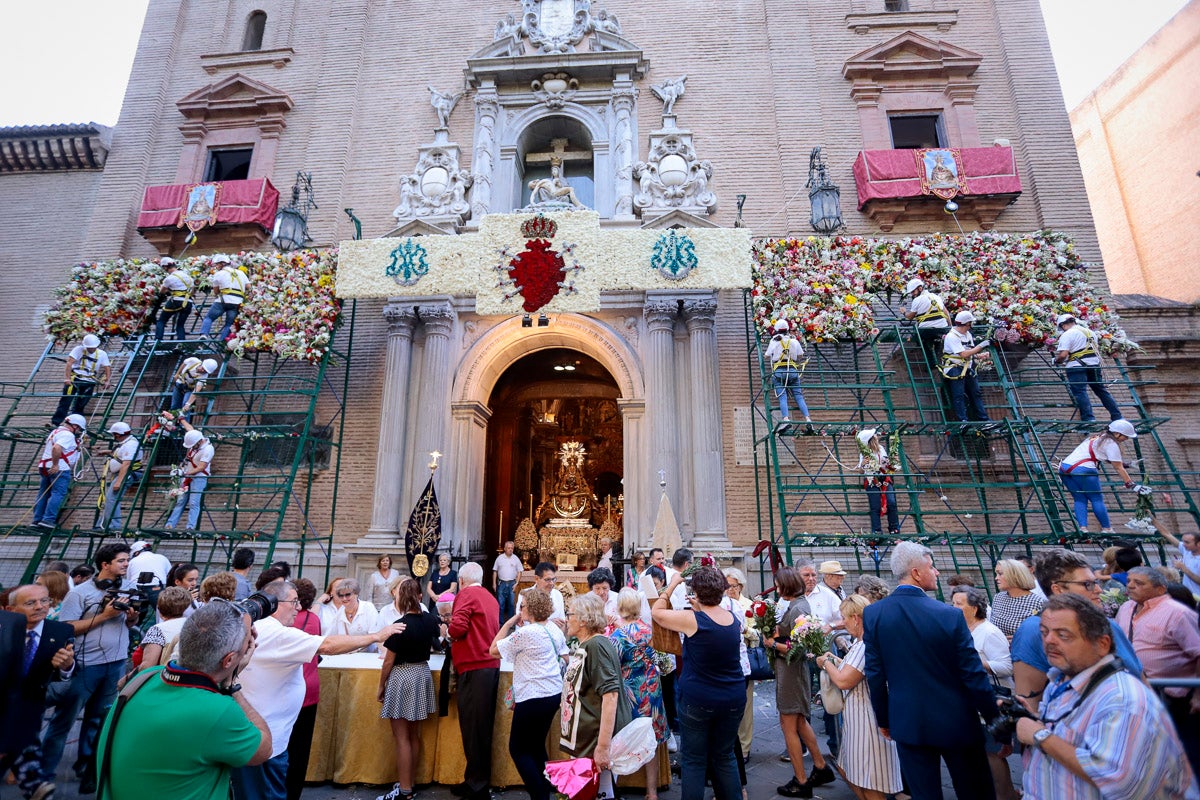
<point>792,688</point>
<point>712,685</point>
<point>876,465</point>
<point>871,762</point>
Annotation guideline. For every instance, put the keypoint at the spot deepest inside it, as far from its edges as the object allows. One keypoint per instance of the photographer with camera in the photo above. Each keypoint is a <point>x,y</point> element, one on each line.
<point>274,682</point>
<point>177,731</point>
<point>100,611</point>
<point>1101,732</point>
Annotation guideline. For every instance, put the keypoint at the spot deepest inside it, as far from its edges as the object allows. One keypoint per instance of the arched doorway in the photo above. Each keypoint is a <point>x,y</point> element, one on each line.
<point>542,401</point>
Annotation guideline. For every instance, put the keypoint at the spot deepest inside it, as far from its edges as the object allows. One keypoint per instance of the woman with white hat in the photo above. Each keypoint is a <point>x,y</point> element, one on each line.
<point>196,469</point>
<point>784,354</point>
<point>1080,471</point>
<point>875,463</point>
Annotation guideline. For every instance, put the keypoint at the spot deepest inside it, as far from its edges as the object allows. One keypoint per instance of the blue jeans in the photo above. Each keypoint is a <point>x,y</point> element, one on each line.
<point>93,688</point>
<point>111,518</point>
<point>191,498</point>
<point>267,781</point>
<point>214,313</point>
<point>1079,380</point>
<point>875,501</point>
<point>1084,485</point>
<point>52,490</point>
<point>709,738</point>
<point>508,602</point>
<point>178,318</point>
<point>787,381</point>
<point>960,390</point>
<point>180,394</point>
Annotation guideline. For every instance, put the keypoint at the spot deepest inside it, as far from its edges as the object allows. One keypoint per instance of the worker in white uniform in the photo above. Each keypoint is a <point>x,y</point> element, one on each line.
<point>177,303</point>
<point>87,367</point>
<point>1079,353</point>
<point>928,312</point>
<point>229,287</point>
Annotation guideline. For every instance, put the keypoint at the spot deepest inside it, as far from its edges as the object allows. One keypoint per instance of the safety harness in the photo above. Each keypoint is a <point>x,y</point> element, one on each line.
<point>237,286</point>
<point>46,460</point>
<point>191,375</point>
<point>955,366</point>
<point>1091,459</point>
<point>937,310</point>
<point>1087,351</point>
<point>85,368</point>
<point>785,359</point>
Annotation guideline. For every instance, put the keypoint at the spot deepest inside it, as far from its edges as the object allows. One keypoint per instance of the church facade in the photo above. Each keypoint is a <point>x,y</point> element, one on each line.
<point>621,122</point>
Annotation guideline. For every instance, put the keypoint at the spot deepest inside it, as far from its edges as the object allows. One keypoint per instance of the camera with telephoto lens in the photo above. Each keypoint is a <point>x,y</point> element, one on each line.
<point>1011,709</point>
<point>125,599</point>
<point>258,606</point>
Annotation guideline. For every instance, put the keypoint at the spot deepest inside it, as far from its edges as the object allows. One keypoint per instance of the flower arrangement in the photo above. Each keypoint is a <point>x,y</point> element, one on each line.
<point>1143,511</point>
<point>808,638</point>
<point>1111,600</point>
<point>829,286</point>
<point>290,308</point>
<point>764,620</point>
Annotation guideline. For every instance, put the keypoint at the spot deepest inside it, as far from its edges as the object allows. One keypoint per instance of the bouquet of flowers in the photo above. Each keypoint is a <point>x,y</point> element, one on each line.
<point>1111,600</point>
<point>1143,511</point>
<point>763,620</point>
<point>808,638</point>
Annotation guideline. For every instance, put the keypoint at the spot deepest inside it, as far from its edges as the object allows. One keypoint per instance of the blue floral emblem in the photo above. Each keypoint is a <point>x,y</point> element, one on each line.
<point>408,263</point>
<point>674,256</point>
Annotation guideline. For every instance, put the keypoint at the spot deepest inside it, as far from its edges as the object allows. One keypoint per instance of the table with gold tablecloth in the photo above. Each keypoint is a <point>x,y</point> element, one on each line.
<point>352,744</point>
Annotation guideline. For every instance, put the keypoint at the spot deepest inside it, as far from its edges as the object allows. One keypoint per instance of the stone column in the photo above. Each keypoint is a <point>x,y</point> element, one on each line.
<point>464,498</point>
<point>700,316</point>
<point>389,460</point>
<point>623,99</point>
<point>433,409</point>
<point>660,393</point>
<point>483,166</point>
<point>638,519</point>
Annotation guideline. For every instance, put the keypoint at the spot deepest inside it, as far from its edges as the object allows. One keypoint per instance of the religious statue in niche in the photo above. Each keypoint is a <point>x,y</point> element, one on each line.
<point>553,192</point>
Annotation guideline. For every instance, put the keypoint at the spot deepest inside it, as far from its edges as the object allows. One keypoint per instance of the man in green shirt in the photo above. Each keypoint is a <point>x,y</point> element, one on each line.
<point>181,733</point>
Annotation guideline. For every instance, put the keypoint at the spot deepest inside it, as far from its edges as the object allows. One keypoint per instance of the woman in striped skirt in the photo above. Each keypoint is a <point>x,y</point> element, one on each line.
<point>869,761</point>
<point>406,684</point>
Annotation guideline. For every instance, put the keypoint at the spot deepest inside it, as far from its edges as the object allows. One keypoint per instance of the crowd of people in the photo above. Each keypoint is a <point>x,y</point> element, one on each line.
<point>905,683</point>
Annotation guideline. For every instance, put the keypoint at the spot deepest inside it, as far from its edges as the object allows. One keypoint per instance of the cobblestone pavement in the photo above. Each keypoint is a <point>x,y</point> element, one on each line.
<point>764,771</point>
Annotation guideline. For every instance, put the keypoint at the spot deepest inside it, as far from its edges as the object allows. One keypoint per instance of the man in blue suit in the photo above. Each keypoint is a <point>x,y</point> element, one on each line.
<point>927,682</point>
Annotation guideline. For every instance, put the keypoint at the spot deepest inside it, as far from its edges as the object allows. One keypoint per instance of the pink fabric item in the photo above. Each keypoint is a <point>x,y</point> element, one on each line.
<point>446,597</point>
<point>893,174</point>
<point>309,622</point>
<point>241,202</point>
<point>1164,637</point>
<point>577,778</point>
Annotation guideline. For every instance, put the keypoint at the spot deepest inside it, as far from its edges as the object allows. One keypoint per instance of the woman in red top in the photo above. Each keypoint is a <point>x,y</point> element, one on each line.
<point>302,733</point>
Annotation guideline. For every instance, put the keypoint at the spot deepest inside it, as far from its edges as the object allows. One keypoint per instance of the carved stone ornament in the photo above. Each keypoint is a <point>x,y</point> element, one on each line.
<point>436,188</point>
<point>554,89</point>
<point>553,26</point>
<point>672,177</point>
<point>669,92</point>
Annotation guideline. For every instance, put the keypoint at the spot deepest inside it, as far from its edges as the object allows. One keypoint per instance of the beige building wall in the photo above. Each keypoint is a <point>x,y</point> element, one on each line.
<point>1138,136</point>
<point>764,86</point>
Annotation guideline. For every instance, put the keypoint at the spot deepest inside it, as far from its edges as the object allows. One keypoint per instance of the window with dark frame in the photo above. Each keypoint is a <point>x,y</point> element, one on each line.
<point>916,131</point>
<point>256,26</point>
<point>895,5</point>
<point>231,164</point>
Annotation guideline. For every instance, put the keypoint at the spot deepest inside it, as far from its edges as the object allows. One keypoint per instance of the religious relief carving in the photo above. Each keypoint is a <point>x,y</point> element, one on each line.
<point>673,177</point>
<point>553,26</point>
<point>553,193</point>
<point>436,188</point>
<point>669,92</point>
<point>554,89</point>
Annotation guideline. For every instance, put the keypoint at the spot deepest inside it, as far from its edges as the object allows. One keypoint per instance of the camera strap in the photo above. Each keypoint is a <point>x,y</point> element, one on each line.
<point>1098,677</point>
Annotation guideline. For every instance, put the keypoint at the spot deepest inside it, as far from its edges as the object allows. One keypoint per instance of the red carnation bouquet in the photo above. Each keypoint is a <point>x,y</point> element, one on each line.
<point>763,619</point>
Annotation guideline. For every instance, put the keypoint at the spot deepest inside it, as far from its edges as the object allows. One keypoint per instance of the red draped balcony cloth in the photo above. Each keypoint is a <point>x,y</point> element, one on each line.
<point>895,174</point>
<point>241,202</point>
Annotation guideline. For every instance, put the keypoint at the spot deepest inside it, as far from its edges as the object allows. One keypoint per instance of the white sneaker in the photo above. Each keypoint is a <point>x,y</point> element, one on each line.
<point>392,795</point>
<point>672,744</point>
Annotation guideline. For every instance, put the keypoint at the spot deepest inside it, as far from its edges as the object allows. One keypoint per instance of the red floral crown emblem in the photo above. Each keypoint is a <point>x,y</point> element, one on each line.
<point>539,227</point>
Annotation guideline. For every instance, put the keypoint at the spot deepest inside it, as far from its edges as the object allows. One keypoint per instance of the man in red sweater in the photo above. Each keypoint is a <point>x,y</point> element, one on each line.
<point>473,625</point>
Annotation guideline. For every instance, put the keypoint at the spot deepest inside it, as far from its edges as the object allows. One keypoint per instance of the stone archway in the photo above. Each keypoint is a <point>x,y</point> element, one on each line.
<point>480,369</point>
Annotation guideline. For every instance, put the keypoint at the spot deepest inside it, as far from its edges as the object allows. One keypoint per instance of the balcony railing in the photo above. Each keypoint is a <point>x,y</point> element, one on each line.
<point>244,214</point>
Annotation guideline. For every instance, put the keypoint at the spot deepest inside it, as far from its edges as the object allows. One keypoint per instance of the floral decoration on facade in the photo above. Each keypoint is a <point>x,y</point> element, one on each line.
<point>290,308</point>
<point>538,272</point>
<point>831,288</point>
<point>408,263</point>
<point>674,256</point>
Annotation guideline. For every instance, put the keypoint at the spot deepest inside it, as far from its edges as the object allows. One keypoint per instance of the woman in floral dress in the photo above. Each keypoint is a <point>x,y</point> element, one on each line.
<point>639,671</point>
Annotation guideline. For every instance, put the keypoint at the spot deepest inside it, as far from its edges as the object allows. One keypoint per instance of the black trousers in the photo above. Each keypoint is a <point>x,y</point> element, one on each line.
<point>531,722</point>
<point>476,717</point>
<point>74,400</point>
<point>299,747</point>
<point>968,768</point>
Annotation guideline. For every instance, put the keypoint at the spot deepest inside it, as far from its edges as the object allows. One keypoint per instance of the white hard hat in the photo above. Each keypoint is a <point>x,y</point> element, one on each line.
<point>210,365</point>
<point>220,258</point>
<point>913,285</point>
<point>167,261</point>
<point>91,340</point>
<point>138,547</point>
<point>192,438</point>
<point>1122,426</point>
<point>782,326</point>
<point>119,428</point>
<point>77,420</point>
<point>865,437</point>
<point>964,318</point>
<point>1064,318</point>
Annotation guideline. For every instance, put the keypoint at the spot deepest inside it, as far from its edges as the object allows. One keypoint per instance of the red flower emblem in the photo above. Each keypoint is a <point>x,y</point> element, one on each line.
<point>538,271</point>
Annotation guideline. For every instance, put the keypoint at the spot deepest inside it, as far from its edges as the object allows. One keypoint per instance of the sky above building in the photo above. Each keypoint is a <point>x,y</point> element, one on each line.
<point>75,67</point>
